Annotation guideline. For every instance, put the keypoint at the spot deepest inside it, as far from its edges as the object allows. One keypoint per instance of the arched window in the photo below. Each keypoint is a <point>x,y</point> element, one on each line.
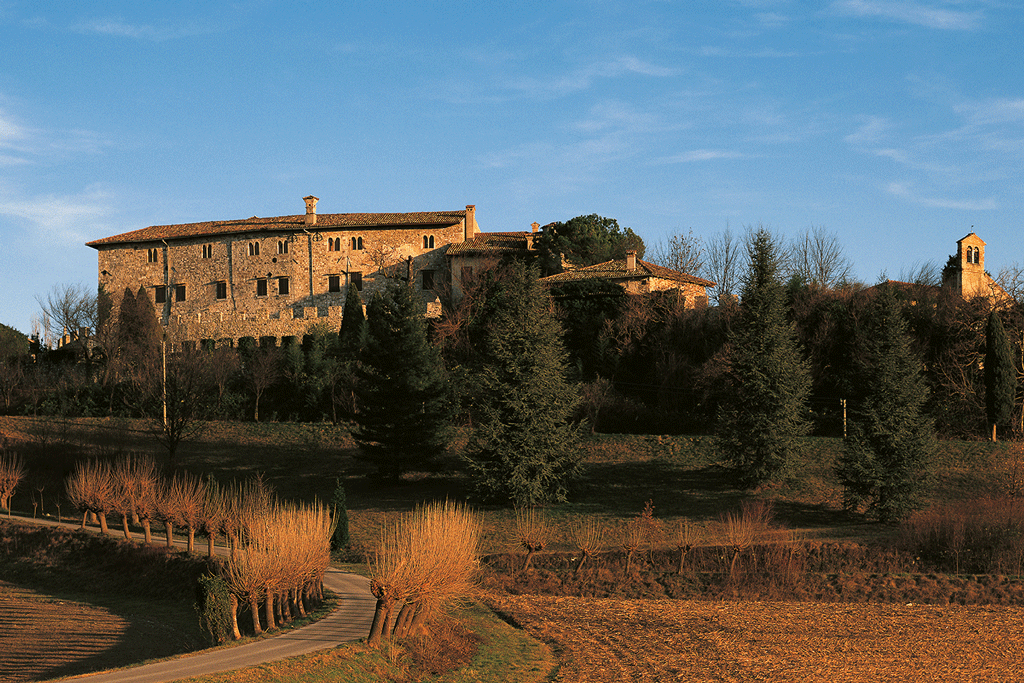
<point>428,241</point>
<point>282,247</point>
<point>357,243</point>
<point>977,255</point>
<point>254,248</point>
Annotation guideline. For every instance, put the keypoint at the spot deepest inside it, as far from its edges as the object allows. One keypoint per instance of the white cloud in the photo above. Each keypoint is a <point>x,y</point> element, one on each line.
<point>903,190</point>
<point>911,13</point>
<point>871,132</point>
<point>122,29</point>
<point>582,79</point>
<point>698,155</point>
<point>63,218</point>
<point>994,111</point>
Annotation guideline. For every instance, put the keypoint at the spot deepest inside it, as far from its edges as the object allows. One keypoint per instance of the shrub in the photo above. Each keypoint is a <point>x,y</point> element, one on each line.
<point>213,603</point>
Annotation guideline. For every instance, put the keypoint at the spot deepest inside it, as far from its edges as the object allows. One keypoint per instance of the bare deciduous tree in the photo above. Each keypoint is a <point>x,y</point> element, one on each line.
<point>69,308</point>
<point>817,258</point>
<point>725,254</point>
<point>684,253</point>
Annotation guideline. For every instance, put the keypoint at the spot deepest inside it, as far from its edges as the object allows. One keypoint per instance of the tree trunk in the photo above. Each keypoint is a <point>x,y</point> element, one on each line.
<point>191,538</point>
<point>254,607</point>
<point>210,538</point>
<point>147,532</point>
<point>993,432</point>
<point>235,633</point>
<point>84,515</point>
<point>124,524</point>
<point>682,560</point>
<point>380,615</point>
<point>169,527</point>
<point>103,522</point>
<point>404,620</point>
<point>268,610</point>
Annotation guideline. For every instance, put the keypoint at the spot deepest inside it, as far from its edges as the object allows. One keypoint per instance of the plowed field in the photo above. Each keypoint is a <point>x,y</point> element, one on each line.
<point>603,640</point>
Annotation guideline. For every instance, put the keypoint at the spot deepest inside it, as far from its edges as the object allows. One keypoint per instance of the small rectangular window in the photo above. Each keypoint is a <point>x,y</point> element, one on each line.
<point>261,286</point>
<point>207,251</point>
<point>428,279</point>
<point>282,286</point>
<point>333,283</point>
<point>179,292</point>
<point>357,280</point>
<point>222,290</point>
<point>160,294</point>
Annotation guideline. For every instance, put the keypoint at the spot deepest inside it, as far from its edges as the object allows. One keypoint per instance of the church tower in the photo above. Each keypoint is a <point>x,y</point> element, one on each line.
<point>971,280</point>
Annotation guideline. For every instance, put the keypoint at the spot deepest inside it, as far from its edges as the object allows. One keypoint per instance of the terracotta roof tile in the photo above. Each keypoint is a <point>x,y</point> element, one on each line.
<point>496,243</point>
<point>616,270</point>
<point>284,224</point>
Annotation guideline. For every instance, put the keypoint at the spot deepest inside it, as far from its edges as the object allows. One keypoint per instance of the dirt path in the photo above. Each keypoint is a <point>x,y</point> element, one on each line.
<point>604,640</point>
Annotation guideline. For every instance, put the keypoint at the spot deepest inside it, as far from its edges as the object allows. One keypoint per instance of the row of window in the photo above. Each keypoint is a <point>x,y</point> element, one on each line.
<point>283,286</point>
<point>333,244</point>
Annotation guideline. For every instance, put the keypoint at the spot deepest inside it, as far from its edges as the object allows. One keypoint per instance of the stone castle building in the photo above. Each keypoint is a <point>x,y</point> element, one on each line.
<point>276,276</point>
<point>967,277</point>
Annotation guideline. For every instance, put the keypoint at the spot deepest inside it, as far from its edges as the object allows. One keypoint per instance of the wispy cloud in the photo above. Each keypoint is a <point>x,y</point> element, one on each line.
<point>583,78</point>
<point>65,218</point>
<point>699,155</point>
<point>993,111</point>
<point>905,191</point>
<point>912,13</point>
<point>871,132</point>
<point>123,29</point>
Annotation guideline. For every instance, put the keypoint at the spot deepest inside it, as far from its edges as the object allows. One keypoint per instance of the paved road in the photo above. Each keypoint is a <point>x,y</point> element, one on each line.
<point>350,621</point>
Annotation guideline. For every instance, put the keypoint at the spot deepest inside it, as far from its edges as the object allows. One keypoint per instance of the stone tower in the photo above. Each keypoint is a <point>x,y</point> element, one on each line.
<point>971,280</point>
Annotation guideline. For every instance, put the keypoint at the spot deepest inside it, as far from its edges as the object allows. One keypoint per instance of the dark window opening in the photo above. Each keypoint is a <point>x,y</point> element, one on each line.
<point>153,255</point>
<point>357,280</point>
<point>160,294</point>
<point>282,247</point>
<point>357,243</point>
<point>333,283</point>
<point>222,290</point>
<point>254,248</point>
<point>261,286</point>
<point>282,286</point>
<point>179,292</point>
<point>207,251</point>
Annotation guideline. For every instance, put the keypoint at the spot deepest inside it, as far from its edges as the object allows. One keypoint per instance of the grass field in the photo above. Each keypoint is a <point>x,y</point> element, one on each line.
<point>615,639</point>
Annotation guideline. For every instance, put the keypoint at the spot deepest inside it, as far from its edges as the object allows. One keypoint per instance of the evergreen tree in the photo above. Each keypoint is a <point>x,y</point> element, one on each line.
<point>353,325</point>
<point>340,539</point>
<point>888,453</point>
<point>404,401</point>
<point>1000,374</point>
<point>766,411</point>
<point>524,449</point>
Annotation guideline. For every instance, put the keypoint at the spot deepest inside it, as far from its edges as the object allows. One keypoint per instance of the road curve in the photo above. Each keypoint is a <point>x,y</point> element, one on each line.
<point>349,621</point>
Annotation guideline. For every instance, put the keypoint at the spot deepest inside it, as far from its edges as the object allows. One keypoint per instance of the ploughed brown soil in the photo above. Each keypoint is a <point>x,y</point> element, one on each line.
<point>47,637</point>
<point>606,639</point>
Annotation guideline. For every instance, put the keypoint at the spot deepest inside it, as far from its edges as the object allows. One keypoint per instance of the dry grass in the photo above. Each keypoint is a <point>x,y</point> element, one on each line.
<point>666,640</point>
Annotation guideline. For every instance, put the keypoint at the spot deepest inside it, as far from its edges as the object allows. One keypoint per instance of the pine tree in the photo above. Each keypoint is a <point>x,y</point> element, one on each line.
<point>524,449</point>
<point>891,441</point>
<point>404,401</point>
<point>1000,374</point>
<point>761,424</point>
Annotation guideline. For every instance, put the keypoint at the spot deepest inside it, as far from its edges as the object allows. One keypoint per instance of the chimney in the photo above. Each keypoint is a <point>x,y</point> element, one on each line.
<point>311,209</point>
<point>470,221</point>
<point>631,261</point>
<point>535,226</point>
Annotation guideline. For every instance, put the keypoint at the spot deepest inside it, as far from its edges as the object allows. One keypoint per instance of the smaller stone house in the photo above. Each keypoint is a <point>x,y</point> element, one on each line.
<point>483,250</point>
<point>639,277</point>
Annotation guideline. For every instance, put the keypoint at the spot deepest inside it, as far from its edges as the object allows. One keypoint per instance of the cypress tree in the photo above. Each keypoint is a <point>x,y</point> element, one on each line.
<point>524,449</point>
<point>339,512</point>
<point>404,401</point>
<point>887,456</point>
<point>353,325</point>
<point>771,381</point>
<point>1000,374</point>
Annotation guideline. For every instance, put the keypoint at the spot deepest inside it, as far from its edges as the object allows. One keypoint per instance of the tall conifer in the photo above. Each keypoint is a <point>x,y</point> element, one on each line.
<point>404,400</point>
<point>888,454</point>
<point>1000,374</point>
<point>771,380</point>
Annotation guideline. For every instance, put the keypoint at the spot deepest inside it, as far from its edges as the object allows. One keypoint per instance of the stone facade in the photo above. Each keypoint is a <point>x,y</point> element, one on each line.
<point>276,276</point>
<point>969,278</point>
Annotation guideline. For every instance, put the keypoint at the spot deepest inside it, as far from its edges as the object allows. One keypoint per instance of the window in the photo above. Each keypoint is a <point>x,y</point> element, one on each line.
<point>428,279</point>
<point>282,286</point>
<point>261,286</point>
<point>282,247</point>
<point>357,243</point>
<point>153,255</point>
<point>179,292</point>
<point>254,248</point>
<point>207,251</point>
<point>428,241</point>
<point>160,294</point>
<point>333,283</point>
<point>222,290</point>
<point>357,280</point>
<point>333,244</point>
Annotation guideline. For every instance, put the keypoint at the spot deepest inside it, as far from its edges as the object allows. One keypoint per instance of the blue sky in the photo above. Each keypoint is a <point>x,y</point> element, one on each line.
<point>895,125</point>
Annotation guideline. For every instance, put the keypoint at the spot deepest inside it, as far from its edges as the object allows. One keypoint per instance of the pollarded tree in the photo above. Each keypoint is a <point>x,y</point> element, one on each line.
<point>771,381</point>
<point>1000,374</point>
<point>524,448</point>
<point>404,401</point>
<point>888,454</point>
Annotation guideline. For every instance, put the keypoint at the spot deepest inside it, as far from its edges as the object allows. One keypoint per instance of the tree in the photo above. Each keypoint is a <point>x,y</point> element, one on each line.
<point>404,401</point>
<point>586,240</point>
<point>524,448</point>
<point>684,253</point>
<point>185,378</point>
<point>724,254</point>
<point>352,334</point>
<point>887,455</point>
<point>816,258</point>
<point>1000,374</point>
<point>770,377</point>
<point>69,309</point>
<point>261,373</point>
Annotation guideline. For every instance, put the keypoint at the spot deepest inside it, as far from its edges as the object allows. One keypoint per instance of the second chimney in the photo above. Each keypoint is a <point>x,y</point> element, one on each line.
<point>311,209</point>
<point>631,261</point>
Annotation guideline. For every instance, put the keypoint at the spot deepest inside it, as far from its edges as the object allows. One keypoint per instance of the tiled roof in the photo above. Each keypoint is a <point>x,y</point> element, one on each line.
<point>285,224</point>
<point>495,243</point>
<point>616,270</point>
